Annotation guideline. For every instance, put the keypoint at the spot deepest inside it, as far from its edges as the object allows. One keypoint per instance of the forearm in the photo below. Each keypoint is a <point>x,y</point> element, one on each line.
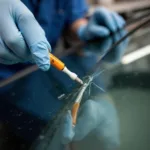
<point>77,24</point>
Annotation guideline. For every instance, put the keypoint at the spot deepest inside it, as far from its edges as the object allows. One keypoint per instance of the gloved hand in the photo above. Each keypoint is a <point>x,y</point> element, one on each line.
<point>97,119</point>
<point>21,37</point>
<point>102,46</point>
<point>101,24</point>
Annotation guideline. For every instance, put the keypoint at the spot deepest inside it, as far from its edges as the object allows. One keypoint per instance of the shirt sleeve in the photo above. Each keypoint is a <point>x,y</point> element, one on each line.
<point>76,9</point>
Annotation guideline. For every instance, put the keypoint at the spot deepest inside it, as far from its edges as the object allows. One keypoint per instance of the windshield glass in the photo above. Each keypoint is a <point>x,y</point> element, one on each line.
<point>34,106</point>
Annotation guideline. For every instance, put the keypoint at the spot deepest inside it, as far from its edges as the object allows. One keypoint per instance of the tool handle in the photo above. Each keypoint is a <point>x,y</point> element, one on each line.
<point>58,64</point>
<point>75,112</point>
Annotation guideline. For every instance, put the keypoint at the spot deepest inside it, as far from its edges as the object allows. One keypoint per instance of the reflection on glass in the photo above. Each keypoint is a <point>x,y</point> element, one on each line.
<point>35,111</point>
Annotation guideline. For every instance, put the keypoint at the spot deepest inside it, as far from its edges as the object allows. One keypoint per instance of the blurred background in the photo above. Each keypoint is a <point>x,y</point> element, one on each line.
<point>129,82</point>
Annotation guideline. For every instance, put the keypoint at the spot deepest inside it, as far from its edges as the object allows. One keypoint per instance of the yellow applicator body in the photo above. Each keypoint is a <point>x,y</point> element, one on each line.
<point>58,64</point>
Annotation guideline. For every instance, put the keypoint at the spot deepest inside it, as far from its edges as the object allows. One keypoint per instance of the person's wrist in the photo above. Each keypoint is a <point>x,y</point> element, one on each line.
<point>78,27</point>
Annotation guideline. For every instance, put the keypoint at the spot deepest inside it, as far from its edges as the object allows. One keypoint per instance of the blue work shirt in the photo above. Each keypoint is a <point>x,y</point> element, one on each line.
<point>56,15</point>
<point>33,100</point>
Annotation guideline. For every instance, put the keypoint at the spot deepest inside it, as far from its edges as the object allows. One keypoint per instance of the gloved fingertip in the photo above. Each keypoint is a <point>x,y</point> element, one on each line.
<point>123,22</point>
<point>44,67</point>
<point>49,47</point>
<point>104,33</point>
<point>40,54</point>
<point>120,22</point>
<point>99,31</point>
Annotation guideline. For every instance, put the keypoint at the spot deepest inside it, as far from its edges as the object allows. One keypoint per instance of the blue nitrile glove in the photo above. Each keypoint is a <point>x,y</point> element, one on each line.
<point>97,119</point>
<point>102,46</point>
<point>115,54</point>
<point>101,24</point>
<point>21,37</point>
